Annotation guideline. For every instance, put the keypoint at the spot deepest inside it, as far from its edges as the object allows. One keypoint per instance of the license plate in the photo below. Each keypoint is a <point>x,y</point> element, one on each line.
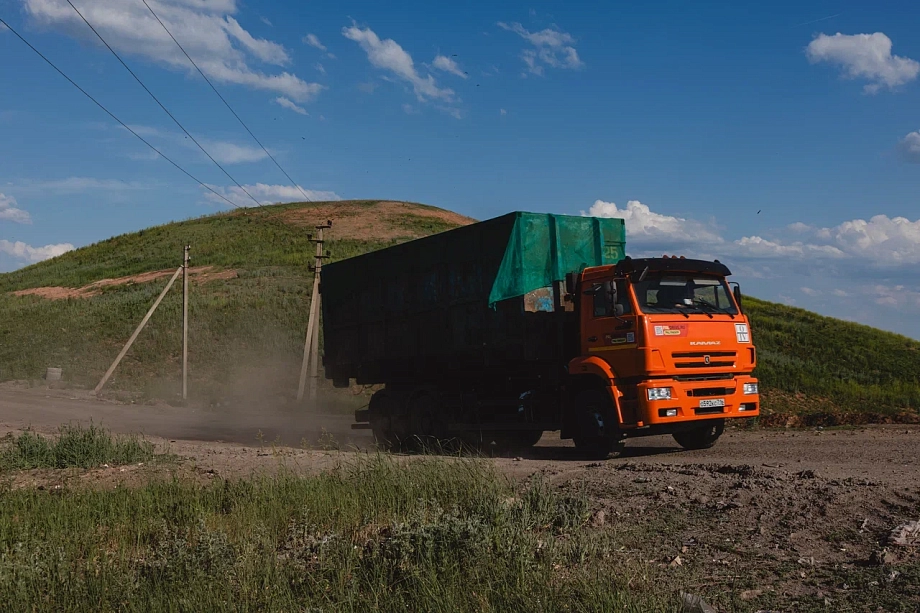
<point>715,402</point>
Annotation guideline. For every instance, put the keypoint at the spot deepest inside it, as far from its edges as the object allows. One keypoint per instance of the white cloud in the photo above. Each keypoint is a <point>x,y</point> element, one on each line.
<point>9,211</point>
<point>76,184</point>
<point>313,41</point>
<point>222,48</point>
<point>909,148</point>
<point>758,247</point>
<point>880,242</point>
<point>231,153</point>
<point>408,109</point>
<point>897,295</point>
<point>319,67</point>
<point>864,56</point>
<point>225,152</point>
<point>79,184</point>
<point>266,194</point>
<point>808,291</point>
<point>389,56</point>
<point>282,101</point>
<point>502,112</point>
<point>30,254</point>
<point>442,62</point>
<point>552,47</point>
<point>266,21</point>
<point>646,229</point>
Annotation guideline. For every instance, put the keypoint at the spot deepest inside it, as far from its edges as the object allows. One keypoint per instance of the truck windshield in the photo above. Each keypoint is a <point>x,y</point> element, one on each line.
<point>684,293</point>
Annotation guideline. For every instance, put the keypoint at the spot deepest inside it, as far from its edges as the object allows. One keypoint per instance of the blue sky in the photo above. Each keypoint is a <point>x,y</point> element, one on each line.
<point>686,119</point>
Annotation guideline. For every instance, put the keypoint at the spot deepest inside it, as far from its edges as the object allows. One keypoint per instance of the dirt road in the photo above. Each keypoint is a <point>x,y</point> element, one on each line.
<point>884,454</point>
<point>45,409</point>
<point>767,520</point>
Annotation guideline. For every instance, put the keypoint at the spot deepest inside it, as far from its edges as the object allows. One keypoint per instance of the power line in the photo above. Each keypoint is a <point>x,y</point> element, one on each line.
<point>162,106</point>
<point>293,182</point>
<point>123,124</point>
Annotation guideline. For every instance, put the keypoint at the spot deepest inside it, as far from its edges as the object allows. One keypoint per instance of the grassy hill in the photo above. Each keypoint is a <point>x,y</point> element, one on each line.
<point>249,312</point>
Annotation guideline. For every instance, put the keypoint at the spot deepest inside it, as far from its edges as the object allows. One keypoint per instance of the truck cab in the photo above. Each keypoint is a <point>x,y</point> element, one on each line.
<point>671,346</point>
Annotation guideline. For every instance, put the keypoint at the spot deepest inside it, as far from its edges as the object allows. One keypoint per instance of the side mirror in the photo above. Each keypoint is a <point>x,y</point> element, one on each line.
<point>736,291</point>
<point>619,310</point>
<point>570,283</point>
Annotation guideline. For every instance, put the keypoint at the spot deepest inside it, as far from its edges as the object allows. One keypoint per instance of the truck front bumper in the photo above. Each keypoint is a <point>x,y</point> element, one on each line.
<point>697,400</point>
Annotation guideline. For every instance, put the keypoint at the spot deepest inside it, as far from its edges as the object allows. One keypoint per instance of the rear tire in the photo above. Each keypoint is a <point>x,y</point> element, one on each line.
<point>702,437</point>
<point>525,439</point>
<point>388,416</point>
<point>597,436</point>
<point>428,423</point>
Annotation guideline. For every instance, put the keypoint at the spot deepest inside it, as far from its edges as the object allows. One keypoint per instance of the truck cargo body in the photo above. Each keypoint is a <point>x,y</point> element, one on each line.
<point>439,306</point>
<point>483,331</point>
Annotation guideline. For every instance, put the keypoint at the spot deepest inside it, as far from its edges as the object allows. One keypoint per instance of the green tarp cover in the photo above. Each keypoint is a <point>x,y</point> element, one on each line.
<point>542,248</point>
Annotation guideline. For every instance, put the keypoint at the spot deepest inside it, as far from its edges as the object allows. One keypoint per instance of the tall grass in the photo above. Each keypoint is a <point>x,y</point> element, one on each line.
<point>375,535</point>
<point>74,446</point>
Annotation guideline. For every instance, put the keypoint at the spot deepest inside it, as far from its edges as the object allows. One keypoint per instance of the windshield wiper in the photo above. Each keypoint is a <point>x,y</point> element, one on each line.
<point>706,303</point>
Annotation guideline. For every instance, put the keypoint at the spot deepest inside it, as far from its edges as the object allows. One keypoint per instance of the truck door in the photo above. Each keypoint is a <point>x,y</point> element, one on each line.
<point>610,322</point>
<point>611,333</point>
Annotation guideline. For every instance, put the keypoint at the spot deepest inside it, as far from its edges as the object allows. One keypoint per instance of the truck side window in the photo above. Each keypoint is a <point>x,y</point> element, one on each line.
<point>602,304</point>
<point>623,296</point>
<point>603,299</point>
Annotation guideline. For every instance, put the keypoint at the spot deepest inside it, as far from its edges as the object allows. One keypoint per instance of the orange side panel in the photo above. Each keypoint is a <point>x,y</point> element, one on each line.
<point>593,365</point>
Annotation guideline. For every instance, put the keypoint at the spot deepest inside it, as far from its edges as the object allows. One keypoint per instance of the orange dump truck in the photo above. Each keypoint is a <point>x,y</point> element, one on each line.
<point>501,330</point>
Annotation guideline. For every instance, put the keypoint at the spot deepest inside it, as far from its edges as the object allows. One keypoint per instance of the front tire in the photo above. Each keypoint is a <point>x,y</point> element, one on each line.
<point>702,437</point>
<point>597,436</point>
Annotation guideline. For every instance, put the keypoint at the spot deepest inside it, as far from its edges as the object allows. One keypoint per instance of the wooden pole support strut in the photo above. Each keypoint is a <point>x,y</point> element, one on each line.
<point>131,340</point>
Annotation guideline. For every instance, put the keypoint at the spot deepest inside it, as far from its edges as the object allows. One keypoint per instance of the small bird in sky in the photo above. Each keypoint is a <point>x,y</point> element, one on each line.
<point>758,212</point>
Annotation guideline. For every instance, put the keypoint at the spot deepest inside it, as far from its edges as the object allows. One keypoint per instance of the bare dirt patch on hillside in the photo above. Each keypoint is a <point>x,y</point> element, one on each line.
<point>384,220</point>
<point>198,274</point>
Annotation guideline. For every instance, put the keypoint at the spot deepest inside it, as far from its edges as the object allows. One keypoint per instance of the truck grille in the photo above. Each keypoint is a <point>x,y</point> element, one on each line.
<point>697,359</point>
<point>711,391</point>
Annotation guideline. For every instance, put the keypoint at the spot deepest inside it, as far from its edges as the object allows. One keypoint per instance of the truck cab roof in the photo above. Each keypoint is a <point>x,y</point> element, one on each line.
<point>629,266</point>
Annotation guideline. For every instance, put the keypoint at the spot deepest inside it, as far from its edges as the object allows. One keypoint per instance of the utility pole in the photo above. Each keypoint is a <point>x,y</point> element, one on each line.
<point>137,331</point>
<point>185,261</point>
<point>311,345</point>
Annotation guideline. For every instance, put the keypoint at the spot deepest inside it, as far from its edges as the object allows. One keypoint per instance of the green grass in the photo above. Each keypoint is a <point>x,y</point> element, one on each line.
<point>375,535</point>
<point>73,447</point>
<point>246,334</point>
<point>845,366</point>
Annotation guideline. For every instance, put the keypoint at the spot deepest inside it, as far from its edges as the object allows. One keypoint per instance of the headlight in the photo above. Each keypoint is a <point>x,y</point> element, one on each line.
<point>659,393</point>
<point>750,388</point>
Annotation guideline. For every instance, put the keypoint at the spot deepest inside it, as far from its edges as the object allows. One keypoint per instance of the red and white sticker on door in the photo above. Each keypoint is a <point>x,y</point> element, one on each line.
<point>671,330</point>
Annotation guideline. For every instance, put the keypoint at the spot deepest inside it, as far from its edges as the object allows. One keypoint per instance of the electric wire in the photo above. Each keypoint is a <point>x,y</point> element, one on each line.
<point>242,123</point>
<point>162,106</point>
<point>113,116</point>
